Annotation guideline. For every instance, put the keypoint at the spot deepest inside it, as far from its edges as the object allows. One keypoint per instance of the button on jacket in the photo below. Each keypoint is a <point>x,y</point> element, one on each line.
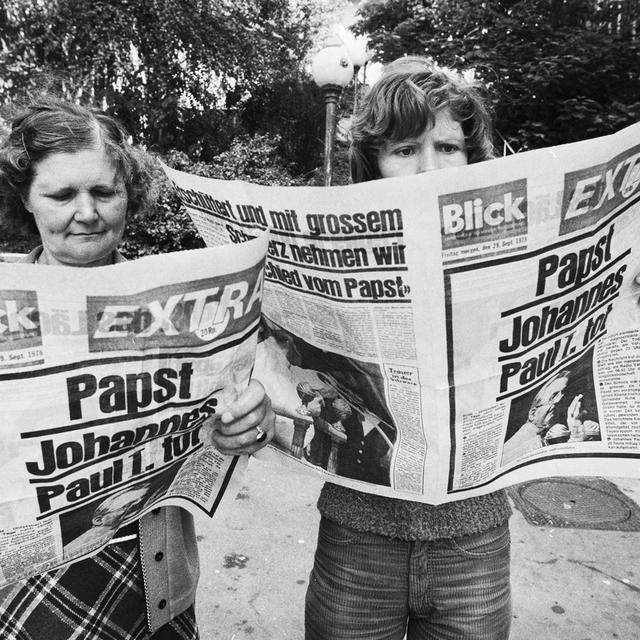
<point>170,566</point>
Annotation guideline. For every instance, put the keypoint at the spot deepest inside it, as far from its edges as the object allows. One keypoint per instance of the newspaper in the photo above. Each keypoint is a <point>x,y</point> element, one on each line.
<point>440,336</point>
<point>107,378</point>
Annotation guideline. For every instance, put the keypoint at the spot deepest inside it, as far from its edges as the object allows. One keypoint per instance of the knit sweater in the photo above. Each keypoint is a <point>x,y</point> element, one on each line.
<point>408,520</point>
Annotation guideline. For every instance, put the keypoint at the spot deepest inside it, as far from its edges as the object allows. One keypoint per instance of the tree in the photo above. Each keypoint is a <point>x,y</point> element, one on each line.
<point>560,70</point>
<point>175,72</point>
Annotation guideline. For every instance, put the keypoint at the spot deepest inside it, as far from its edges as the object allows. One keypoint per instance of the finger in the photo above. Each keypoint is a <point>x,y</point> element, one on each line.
<point>576,400</point>
<point>248,441</point>
<point>235,445</point>
<point>246,422</point>
<point>248,433</point>
<point>248,401</point>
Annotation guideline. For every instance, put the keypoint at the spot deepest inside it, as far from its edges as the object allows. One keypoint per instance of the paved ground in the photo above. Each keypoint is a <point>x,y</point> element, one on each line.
<point>568,584</point>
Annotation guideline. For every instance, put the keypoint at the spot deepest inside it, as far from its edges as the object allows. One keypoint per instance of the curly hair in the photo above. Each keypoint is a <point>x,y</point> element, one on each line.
<point>49,125</point>
<point>403,103</point>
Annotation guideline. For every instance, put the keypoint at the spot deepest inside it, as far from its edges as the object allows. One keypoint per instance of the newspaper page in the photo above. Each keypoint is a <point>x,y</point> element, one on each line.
<point>107,377</point>
<point>439,336</point>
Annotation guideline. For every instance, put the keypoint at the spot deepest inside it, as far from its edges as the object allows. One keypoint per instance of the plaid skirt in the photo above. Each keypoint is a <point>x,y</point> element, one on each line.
<point>100,598</point>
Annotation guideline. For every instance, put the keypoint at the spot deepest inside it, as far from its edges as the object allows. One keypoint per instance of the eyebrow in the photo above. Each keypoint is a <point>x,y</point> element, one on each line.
<point>402,140</point>
<point>53,188</point>
<point>462,140</point>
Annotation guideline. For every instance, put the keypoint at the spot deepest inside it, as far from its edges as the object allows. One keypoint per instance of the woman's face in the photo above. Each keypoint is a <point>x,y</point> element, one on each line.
<point>79,203</point>
<point>438,147</point>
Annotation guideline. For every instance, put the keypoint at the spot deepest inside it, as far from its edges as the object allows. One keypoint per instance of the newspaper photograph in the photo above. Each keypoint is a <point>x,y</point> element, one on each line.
<point>443,335</point>
<point>111,380</point>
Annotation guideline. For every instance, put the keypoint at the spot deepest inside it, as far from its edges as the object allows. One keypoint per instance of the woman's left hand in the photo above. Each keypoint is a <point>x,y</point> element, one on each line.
<point>247,425</point>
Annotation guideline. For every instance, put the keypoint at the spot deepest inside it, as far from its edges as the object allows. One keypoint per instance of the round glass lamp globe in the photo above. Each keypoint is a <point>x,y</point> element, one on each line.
<point>358,51</point>
<point>332,66</point>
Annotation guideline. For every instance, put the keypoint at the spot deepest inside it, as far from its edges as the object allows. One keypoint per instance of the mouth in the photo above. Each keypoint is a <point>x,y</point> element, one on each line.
<point>87,234</point>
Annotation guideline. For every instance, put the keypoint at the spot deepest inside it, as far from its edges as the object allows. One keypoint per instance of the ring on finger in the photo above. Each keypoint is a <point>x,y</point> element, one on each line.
<point>261,435</point>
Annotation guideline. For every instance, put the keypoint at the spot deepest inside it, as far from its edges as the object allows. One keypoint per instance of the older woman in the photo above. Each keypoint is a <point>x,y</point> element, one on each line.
<point>69,173</point>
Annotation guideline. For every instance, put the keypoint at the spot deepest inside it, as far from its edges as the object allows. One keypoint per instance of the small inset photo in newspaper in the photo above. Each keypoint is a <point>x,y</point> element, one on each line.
<point>561,410</point>
<point>330,408</point>
<point>90,526</point>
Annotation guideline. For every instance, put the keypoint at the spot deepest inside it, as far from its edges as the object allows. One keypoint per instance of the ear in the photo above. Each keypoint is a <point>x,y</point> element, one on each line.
<point>28,219</point>
<point>25,203</point>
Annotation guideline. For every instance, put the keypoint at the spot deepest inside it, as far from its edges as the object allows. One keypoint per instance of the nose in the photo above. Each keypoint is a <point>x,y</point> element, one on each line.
<point>85,208</point>
<point>428,160</point>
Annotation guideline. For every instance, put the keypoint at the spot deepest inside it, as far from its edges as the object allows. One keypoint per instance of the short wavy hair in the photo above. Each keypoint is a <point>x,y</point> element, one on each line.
<point>404,101</point>
<point>49,125</point>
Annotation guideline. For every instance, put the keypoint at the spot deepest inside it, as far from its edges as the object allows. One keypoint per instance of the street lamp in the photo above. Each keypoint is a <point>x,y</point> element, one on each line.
<point>332,70</point>
<point>358,52</point>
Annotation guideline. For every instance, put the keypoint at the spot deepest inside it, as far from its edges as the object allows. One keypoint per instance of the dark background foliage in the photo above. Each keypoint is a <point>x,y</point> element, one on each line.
<point>560,70</point>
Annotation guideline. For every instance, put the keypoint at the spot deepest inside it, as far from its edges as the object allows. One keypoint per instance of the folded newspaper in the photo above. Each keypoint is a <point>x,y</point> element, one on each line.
<point>107,378</point>
<point>440,336</point>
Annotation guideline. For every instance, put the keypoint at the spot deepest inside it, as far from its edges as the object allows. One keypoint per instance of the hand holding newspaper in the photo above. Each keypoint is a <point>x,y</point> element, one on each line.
<point>443,335</point>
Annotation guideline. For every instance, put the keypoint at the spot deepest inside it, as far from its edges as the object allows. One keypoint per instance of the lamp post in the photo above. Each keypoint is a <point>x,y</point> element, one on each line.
<point>332,70</point>
<point>357,49</point>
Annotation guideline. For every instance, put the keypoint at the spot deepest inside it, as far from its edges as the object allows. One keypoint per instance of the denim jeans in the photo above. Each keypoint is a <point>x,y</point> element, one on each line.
<point>372,587</point>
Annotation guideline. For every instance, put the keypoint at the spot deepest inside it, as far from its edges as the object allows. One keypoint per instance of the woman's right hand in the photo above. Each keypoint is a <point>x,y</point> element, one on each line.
<point>247,425</point>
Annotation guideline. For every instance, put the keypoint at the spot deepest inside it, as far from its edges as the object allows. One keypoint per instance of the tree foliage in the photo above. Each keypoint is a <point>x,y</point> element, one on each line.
<point>175,72</point>
<point>561,70</point>
<point>167,227</point>
<point>293,109</point>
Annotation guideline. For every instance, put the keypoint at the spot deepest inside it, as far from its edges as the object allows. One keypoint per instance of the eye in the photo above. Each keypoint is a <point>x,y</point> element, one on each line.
<point>61,196</point>
<point>404,152</point>
<point>449,147</point>
<point>103,193</point>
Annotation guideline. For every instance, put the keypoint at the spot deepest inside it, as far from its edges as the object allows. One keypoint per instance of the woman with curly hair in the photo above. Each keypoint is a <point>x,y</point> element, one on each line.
<point>69,173</point>
<point>386,567</point>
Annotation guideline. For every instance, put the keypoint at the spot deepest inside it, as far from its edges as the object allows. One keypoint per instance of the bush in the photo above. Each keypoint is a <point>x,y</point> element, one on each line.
<point>167,227</point>
<point>251,158</point>
<point>17,243</point>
